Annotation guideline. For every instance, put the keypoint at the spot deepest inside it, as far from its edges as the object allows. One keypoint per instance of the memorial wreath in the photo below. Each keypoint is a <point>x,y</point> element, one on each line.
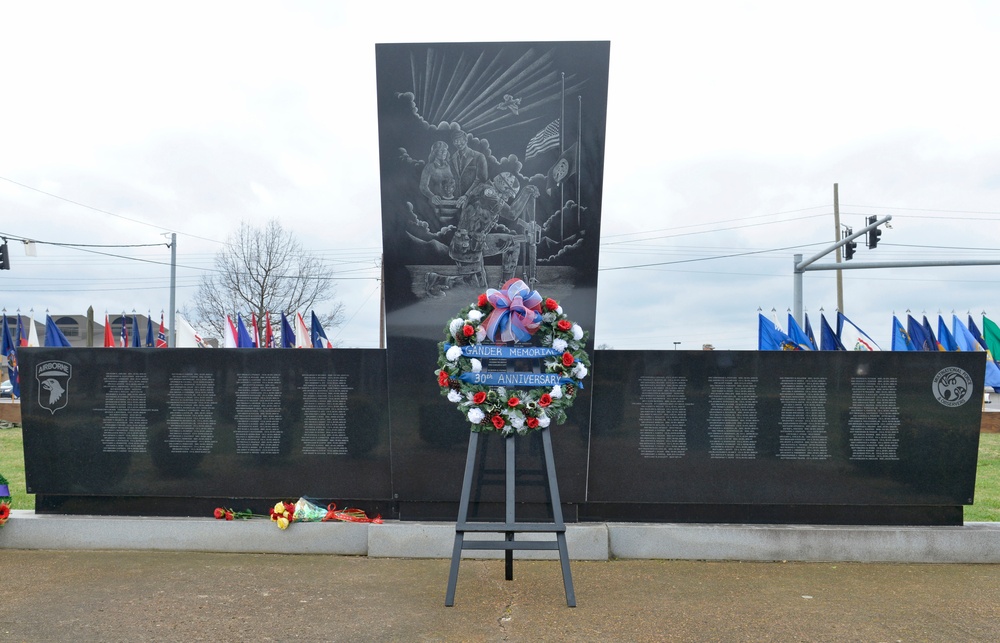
<point>512,402</point>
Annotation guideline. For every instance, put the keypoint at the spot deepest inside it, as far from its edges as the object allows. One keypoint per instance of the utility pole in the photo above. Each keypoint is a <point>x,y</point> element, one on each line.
<point>836,238</point>
<point>172,343</point>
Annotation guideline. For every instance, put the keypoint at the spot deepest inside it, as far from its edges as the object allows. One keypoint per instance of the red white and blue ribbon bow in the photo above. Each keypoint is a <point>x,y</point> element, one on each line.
<point>517,312</point>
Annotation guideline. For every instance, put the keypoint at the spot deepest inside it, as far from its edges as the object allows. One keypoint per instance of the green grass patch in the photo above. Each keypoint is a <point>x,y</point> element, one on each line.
<point>985,509</point>
<point>12,468</point>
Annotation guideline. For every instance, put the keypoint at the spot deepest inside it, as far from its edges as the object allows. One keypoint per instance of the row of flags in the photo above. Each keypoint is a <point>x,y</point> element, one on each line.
<point>770,336</point>
<point>134,339</point>
<point>26,336</point>
<point>294,333</point>
<point>914,336</point>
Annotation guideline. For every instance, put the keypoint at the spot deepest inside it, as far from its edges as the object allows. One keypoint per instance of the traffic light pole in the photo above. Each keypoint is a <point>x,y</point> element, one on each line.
<point>801,266</point>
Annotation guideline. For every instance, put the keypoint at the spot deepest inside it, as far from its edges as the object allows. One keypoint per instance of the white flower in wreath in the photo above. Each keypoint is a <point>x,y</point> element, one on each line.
<point>455,327</point>
<point>579,371</point>
<point>548,318</point>
<point>453,353</point>
<point>577,332</point>
<point>454,396</point>
<point>517,421</point>
<point>556,392</point>
<point>477,366</point>
<point>543,420</point>
<point>475,315</point>
<point>476,416</point>
<point>559,344</point>
<point>559,310</point>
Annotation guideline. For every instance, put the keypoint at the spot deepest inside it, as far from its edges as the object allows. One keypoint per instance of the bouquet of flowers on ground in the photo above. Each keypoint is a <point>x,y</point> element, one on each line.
<point>283,513</point>
<point>4,501</point>
<point>304,510</point>
<point>226,513</point>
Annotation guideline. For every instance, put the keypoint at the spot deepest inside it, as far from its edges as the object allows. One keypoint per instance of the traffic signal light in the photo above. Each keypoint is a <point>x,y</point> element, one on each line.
<point>874,233</point>
<point>850,245</point>
<point>4,257</point>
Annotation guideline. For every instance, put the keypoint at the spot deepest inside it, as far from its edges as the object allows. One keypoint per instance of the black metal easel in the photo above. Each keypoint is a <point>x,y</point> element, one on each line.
<point>510,526</point>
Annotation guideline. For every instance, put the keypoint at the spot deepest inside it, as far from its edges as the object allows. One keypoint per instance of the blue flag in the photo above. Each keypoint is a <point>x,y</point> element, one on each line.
<point>929,332</point>
<point>799,336</point>
<point>287,335</point>
<point>243,339</point>
<point>136,343</point>
<point>900,338</point>
<point>967,342</point>
<point>963,338</point>
<point>917,335</point>
<point>772,338</point>
<point>945,338</point>
<point>809,333</point>
<point>10,352</point>
<point>828,340</point>
<point>975,333</point>
<point>150,335</point>
<point>22,334</point>
<point>54,336</point>
<point>319,339</point>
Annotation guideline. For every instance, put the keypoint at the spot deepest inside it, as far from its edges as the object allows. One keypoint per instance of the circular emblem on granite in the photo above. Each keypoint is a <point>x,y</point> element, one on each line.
<point>514,324</point>
<point>952,386</point>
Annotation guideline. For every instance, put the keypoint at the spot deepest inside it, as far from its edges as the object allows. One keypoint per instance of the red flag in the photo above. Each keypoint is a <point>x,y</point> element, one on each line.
<point>254,333</point>
<point>109,338</point>
<point>161,337</point>
<point>268,334</point>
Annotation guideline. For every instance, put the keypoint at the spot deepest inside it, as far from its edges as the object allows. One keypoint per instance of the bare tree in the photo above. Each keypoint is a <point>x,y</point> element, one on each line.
<point>265,271</point>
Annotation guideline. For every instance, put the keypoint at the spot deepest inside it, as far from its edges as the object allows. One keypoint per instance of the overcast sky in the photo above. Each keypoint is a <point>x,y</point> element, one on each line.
<point>728,125</point>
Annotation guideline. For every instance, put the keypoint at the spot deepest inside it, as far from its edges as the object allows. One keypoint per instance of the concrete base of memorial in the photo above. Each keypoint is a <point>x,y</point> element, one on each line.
<point>971,543</point>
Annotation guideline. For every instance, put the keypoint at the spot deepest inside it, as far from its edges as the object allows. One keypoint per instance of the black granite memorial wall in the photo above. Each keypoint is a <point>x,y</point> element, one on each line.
<point>150,431</point>
<point>706,436</point>
<point>768,436</point>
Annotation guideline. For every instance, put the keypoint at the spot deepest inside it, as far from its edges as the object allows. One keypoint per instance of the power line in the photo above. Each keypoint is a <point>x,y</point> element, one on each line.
<point>886,207</point>
<point>112,214</point>
<point>695,225</point>
<point>686,234</point>
<point>738,254</point>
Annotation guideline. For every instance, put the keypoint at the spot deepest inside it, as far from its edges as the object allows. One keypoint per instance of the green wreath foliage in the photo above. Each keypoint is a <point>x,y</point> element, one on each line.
<point>506,410</point>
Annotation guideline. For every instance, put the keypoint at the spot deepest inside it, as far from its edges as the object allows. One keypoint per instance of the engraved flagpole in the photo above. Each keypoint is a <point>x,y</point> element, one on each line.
<point>579,145</point>
<point>562,148</point>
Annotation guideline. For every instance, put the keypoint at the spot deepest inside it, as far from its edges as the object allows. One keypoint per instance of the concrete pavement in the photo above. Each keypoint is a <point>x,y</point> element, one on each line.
<point>53,595</point>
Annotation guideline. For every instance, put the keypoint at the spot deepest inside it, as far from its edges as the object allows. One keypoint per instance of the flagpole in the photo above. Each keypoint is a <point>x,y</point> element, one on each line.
<point>562,184</point>
<point>579,145</point>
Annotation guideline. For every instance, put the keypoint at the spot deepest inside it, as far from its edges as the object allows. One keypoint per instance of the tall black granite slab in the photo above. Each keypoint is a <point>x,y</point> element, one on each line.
<point>459,120</point>
<point>196,423</point>
<point>786,428</point>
